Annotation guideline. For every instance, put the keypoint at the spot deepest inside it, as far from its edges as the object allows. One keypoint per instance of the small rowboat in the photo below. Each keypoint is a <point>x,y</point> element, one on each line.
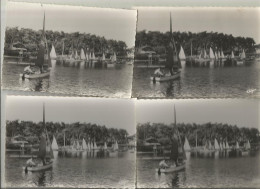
<point>35,76</point>
<point>155,78</point>
<point>172,169</point>
<point>38,168</point>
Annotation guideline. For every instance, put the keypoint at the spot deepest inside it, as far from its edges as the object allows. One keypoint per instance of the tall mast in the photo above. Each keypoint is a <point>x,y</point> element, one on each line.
<point>45,40</point>
<point>171,35</point>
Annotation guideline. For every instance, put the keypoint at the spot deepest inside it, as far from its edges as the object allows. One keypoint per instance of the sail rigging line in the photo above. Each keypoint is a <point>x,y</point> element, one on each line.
<point>45,41</point>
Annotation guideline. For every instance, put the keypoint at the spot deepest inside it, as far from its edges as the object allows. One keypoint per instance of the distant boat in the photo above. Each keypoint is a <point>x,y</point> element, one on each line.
<point>227,146</point>
<point>241,58</point>
<point>84,145</point>
<point>237,146</point>
<point>89,146</point>
<point>216,145</point>
<point>94,146</point>
<point>103,57</point>
<point>232,55</point>
<point>53,53</point>
<point>82,55</point>
<point>186,145</point>
<point>78,146</point>
<point>115,147</point>
<point>172,65</point>
<point>247,145</point>
<point>93,56</point>
<point>105,146</point>
<point>243,54</point>
<point>112,61</point>
<point>211,53</point>
<point>182,54</point>
<point>87,56</point>
<point>45,151</point>
<point>76,55</point>
<point>54,144</point>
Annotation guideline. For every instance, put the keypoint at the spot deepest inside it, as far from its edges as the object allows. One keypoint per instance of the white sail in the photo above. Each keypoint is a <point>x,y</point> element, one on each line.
<point>232,55</point>
<point>222,54</point>
<point>210,146</point>
<point>87,58</point>
<point>248,146</point>
<point>89,146</point>
<point>224,145</point>
<point>76,55</point>
<point>53,52</point>
<point>205,54</point>
<point>220,146</point>
<point>95,145</point>
<point>73,145</point>
<point>237,145</point>
<point>243,55</point>
<point>54,144</point>
<point>93,56</point>
<point>186,145</point>
<point>216,145</point>
<point>84,145</point>
<point>78,145</point>
<point>82,55</point>
<point>113,58</point>
<point>219,56</point>
<point>182,54</point>
<point>227,146</point>
<point>105,146</point>
<point>103,57</point>
<point>211,53</point>
<point>116,146</point>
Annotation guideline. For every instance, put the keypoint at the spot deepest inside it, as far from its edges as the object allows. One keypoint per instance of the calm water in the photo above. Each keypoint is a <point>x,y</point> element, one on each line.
<point>73,78</point>
<point>76,170</point>
<point>212,80</point>
<point>209,171</point>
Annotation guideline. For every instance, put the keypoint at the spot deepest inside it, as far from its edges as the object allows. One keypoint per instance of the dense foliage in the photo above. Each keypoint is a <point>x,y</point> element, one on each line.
<point>31,38</point>
<point>217,41</point>
<point>207,131</point>
<point>90,132</point>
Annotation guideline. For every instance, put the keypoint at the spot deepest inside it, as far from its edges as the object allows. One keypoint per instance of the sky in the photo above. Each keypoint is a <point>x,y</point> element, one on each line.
<point>117,24</point>
<point>243,113</point>
<point>113,113</point>
<point>243,22</point>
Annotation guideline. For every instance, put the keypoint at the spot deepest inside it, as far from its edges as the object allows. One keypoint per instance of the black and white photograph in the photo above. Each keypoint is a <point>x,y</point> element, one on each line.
<point>69,142</point>
<point>197,52</point>
<point>69,49</point>
<point>199,143</point>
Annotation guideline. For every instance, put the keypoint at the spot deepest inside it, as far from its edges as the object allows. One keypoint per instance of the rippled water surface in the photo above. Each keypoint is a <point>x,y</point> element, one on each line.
<point>205,171</point>
<point>73,78</point>
<point>207,80</point>
<point>76,170</point>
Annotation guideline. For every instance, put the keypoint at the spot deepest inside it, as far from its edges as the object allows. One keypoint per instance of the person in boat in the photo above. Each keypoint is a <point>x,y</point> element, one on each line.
<point>30,163</point>
<point>42,149</point>
<point>158,72</point>
<point>163,164</point>
<point>28,70</point>
<point>174,150</point>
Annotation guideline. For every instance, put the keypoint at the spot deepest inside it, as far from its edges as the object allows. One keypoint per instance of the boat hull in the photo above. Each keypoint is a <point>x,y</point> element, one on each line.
<point>110,65</point>
<point>172,169</point>
<point>36,76</point>
<point>165,78</point>
<point>39,168</point>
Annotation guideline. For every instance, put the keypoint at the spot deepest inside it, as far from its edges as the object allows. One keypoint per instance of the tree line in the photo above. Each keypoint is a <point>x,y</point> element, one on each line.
<point>195,42</point>
<point>72,41</point>
<point>208,131</point>
<point>73,131</point>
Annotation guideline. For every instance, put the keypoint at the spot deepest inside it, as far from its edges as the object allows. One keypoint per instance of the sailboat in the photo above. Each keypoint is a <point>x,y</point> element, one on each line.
<point>115,147</point>
<point>182,54</point>
<point>43,72</point>
<point>76,55</point>
<point>105,146</point>
<point>54,144</point>
<point>216,145</point>
<point>211,53</point>
<point>84,145</point>
<point>45,151</point>
<point>173,63</point>
<point>247,148</point>
<point>241,58</point>
<point>112,62</point>
<point>82,55</point>
<point>53,53</point>
<point>78,146</point>
<point>232,55</point>
<point>103,57</point>
<point>177,151</point>
<point>87,57</point>
<point>186,145</point>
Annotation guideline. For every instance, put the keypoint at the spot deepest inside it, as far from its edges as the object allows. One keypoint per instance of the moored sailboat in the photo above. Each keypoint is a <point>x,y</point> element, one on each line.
<point>84,145</point>
<point>54,144</point>
<point>53,53</point>
<point>186,145</point>
<point>82,54</point>
<point>172,62</point>
<point>182,54</point>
